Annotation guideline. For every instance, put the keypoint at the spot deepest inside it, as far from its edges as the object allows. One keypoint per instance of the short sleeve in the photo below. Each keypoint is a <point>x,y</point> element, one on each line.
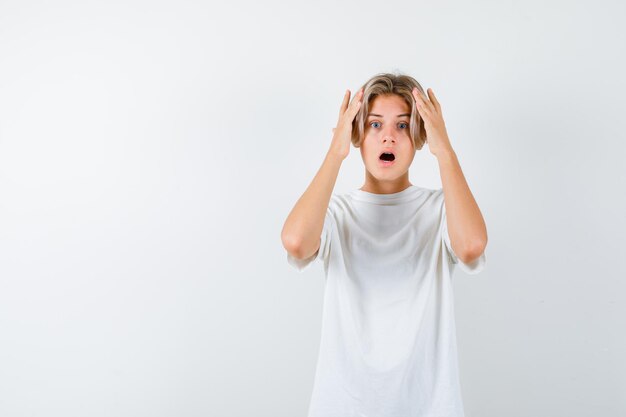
<point>324,249</point>
<point>471,268</point>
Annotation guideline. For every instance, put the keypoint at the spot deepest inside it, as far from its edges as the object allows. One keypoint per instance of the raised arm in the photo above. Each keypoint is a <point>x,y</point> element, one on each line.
<point>466,226</point>
<point>303,227</point>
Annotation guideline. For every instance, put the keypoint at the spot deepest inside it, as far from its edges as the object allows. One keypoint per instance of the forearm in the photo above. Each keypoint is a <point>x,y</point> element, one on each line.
<point>303,227</point>
<point>466,226</point>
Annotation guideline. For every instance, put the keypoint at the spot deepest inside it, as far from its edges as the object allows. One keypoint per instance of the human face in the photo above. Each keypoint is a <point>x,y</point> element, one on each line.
<point>387,130</point>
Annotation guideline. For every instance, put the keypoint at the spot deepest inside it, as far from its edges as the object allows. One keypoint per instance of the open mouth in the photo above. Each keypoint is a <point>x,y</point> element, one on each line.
<point>386,158</point>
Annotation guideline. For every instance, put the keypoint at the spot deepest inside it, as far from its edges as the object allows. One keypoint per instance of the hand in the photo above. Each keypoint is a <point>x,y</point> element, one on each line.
<point>430,111</point>
<point>342,134</point>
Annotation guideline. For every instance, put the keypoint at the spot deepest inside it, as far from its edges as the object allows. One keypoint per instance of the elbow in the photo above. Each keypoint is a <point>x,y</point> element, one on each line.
<point>473,251</point>
<point>290,243</point>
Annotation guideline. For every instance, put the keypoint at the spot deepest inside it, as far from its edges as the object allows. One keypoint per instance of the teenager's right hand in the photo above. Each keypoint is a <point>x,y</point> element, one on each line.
<point>342,133</point>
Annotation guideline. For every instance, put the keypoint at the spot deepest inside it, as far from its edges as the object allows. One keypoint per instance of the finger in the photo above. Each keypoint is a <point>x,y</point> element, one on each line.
<point>357,97</point>
<point>434,100</point>
<point>344,104</point>
<point>421,104</point>
<point>419,99</point>
<point>356,104</point>
<point>426,102</point>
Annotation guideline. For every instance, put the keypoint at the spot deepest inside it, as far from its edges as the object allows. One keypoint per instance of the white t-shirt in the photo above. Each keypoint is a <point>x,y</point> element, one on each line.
<point>388,343</point>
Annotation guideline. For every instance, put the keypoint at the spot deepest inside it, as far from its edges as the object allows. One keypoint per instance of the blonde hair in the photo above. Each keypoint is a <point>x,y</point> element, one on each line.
<point>386,84</point>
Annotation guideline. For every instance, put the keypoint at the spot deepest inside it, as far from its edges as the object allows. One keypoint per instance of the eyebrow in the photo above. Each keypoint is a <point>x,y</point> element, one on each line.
<point>380,115</point>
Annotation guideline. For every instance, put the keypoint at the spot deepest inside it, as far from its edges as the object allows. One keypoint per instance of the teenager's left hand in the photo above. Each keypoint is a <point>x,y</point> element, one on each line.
<point>430,111</point>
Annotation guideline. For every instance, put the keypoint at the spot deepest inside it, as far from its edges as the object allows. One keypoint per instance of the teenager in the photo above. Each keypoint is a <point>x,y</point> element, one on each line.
<point>388,345</point>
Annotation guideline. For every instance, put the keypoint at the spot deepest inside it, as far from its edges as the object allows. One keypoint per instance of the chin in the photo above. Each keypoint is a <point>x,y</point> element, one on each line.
<point>388,173</point>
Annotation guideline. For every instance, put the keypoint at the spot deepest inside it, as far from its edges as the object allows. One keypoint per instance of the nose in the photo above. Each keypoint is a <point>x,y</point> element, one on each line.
<point>388,136</point>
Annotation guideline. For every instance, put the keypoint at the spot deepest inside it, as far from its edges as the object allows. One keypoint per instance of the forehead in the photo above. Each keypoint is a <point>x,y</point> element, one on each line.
<point>391,104</point>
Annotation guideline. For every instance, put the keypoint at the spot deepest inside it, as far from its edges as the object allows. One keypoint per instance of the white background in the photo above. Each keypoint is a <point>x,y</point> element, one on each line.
<point>151,151</point>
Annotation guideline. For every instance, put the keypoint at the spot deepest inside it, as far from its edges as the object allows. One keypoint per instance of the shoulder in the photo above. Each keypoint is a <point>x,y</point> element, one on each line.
<point>340,201</point>
<point>434,194</point>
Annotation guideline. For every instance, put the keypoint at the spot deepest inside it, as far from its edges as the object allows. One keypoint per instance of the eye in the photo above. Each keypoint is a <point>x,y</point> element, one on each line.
<point>403,124</point>
<point>373,123</point>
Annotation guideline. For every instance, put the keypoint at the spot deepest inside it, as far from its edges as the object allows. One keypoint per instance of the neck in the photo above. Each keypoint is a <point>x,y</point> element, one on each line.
<point>377,186</point>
